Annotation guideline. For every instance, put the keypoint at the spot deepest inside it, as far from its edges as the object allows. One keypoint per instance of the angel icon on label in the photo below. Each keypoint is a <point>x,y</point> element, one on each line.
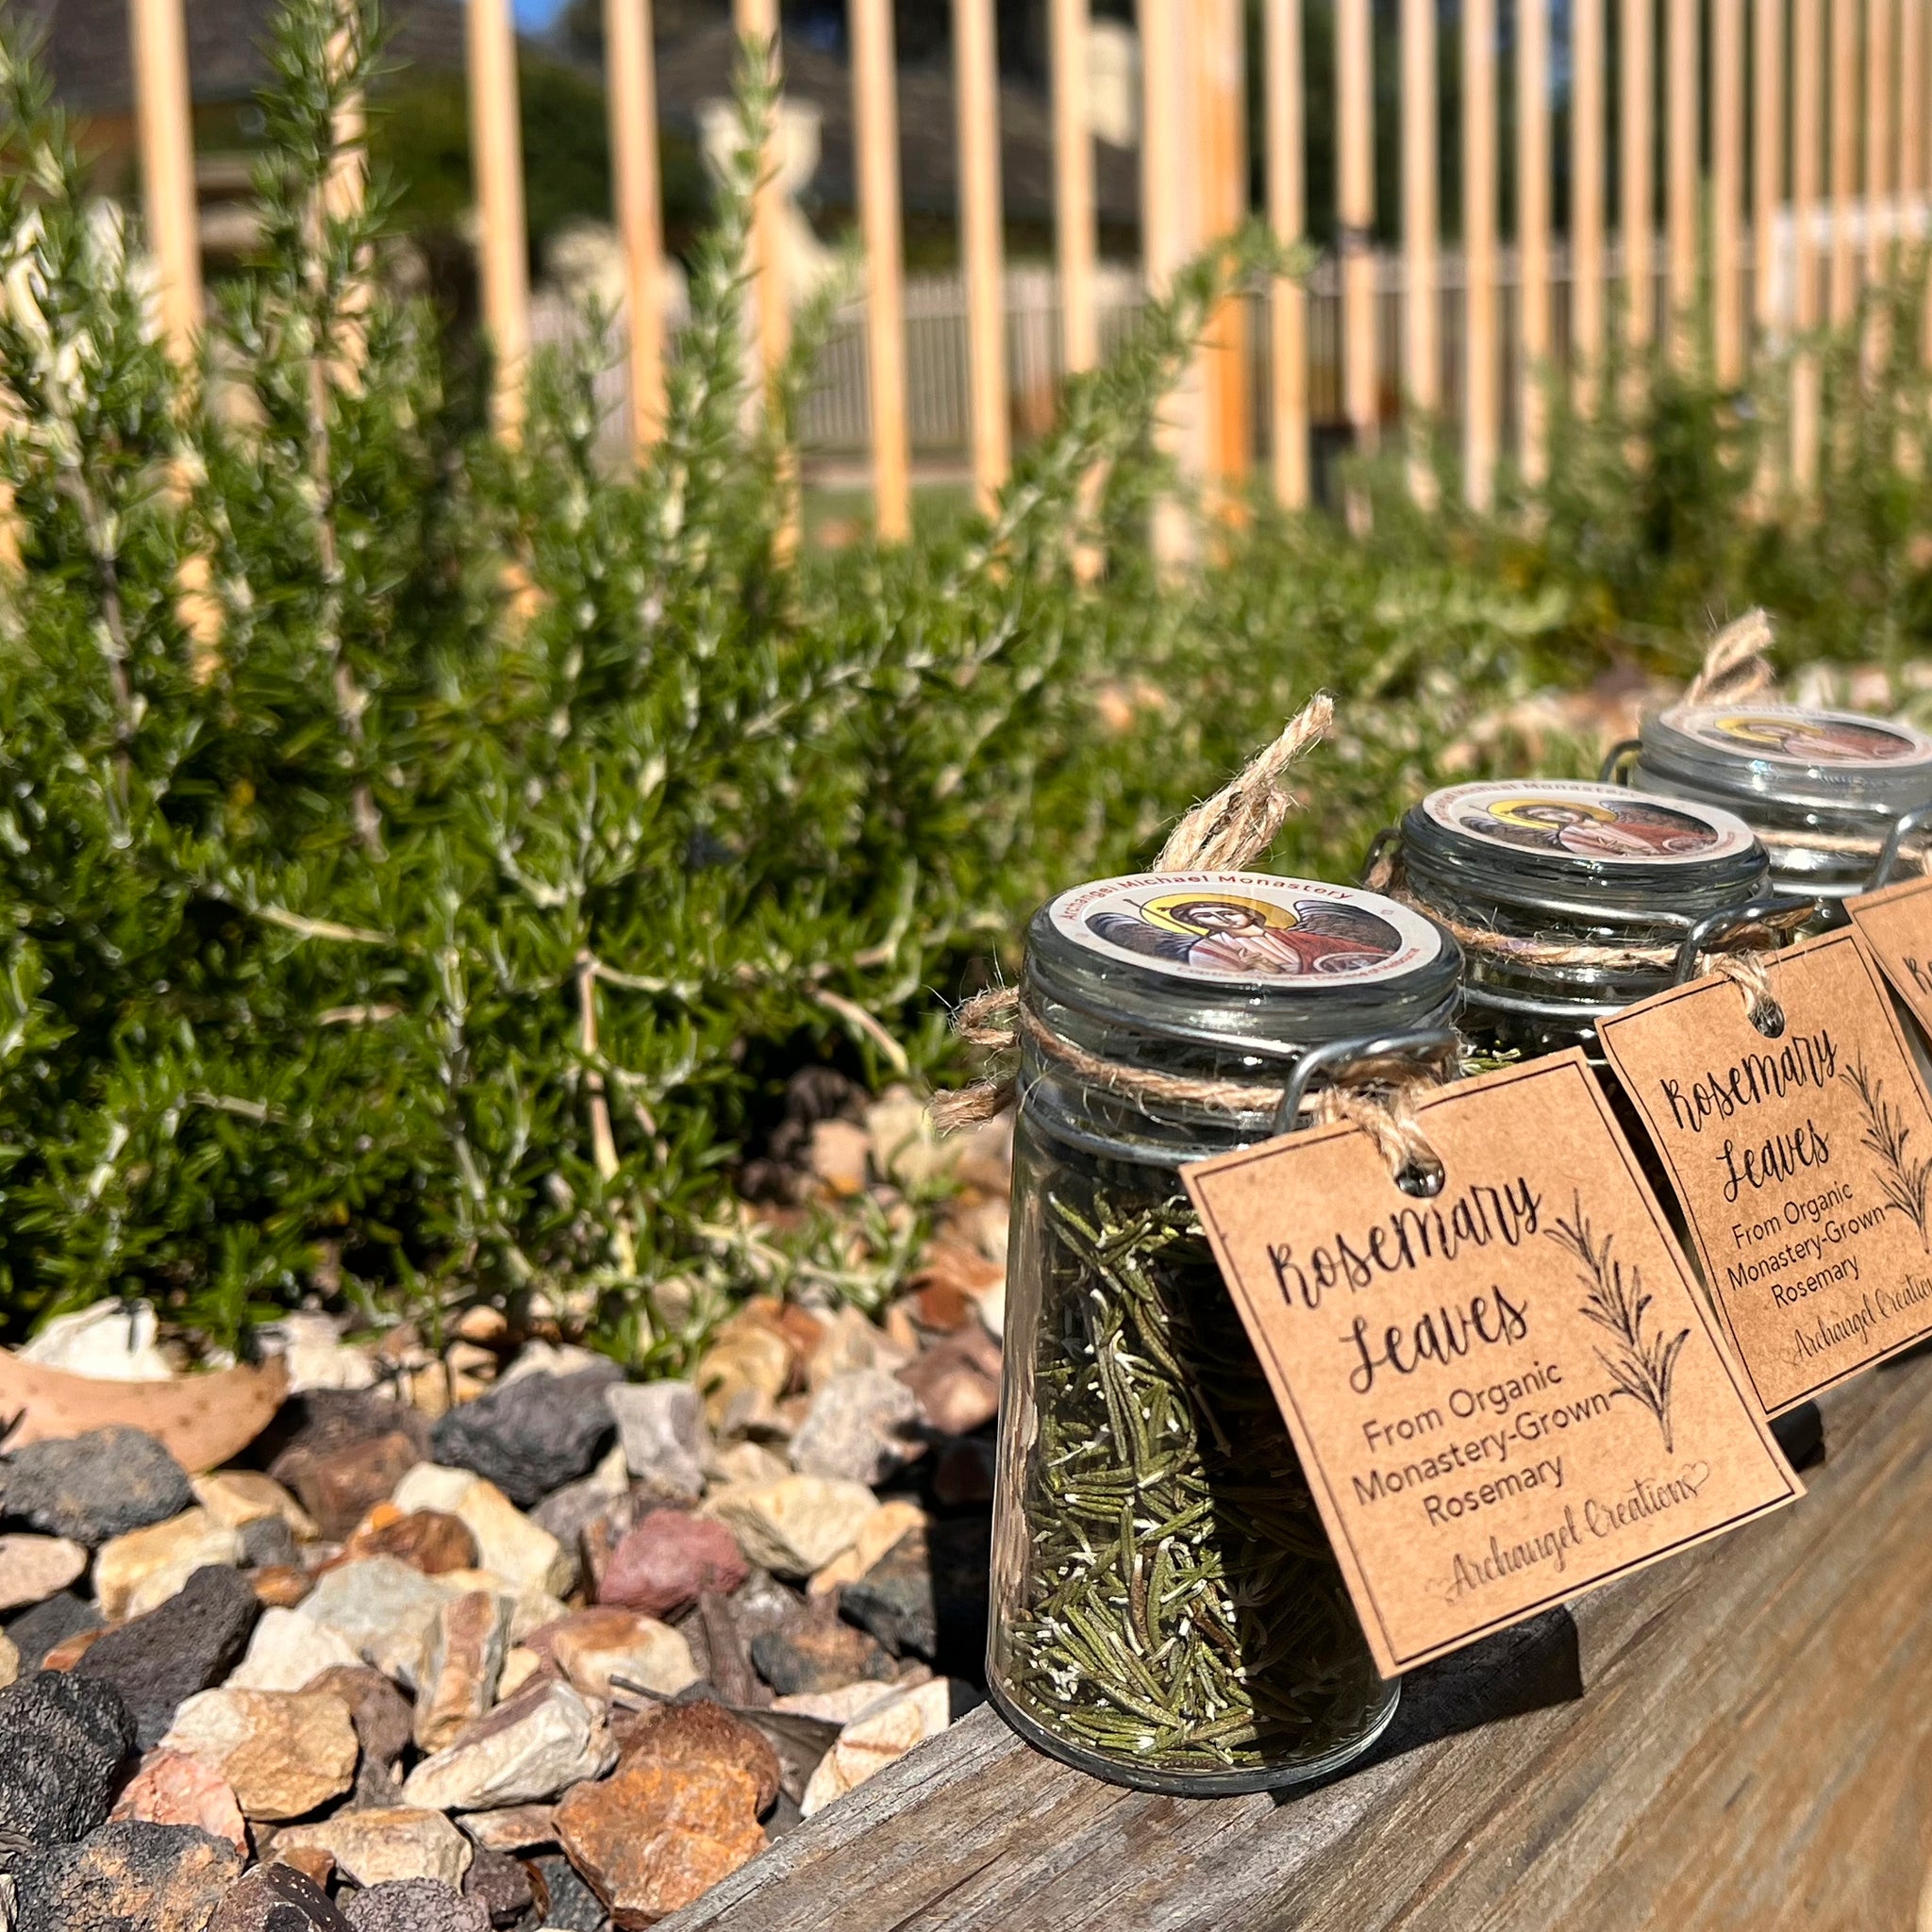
<point>1220,932</point>
<point>1626,828</point>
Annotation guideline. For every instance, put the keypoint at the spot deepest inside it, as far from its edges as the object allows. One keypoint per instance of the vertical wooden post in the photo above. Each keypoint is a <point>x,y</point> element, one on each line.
<point>631,83</point>
<point>1075,239</point>
<point>1587,136</point>
<point>1533,222</point>
<point>1166,198</point>
<point>163,108</point>
<point>1807,134</point>
<point>1681,91</point>
<point>1912,108</point>
<point>977,86</point>
<point>1421,354</point>
<point>756,21</point>
<point>1288,303</point>
<point>875,129</point>
<point>1844,157</point>
<point>1727,190</point>
<point>1767,155</point>
<point>1220,33</point>
<point>497,163</point>
<point>1354,215</point>
<point>1481,429</point>
<point>1637,192</point>
<point>1877,167</point>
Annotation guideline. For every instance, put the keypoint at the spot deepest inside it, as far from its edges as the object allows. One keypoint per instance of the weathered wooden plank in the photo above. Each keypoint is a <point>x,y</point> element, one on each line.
<point>163,114</point>
<point>1287,303</point>
<point>496,159</point>
<point>1733,1739</point>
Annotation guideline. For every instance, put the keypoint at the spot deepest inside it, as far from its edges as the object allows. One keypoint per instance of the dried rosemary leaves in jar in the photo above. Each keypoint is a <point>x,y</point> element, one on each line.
<point>1571,898</point>
<point>1166,1610</point>
<point>1821,790</point>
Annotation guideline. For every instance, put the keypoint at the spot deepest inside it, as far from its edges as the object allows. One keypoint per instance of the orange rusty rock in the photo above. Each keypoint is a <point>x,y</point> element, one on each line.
<point>172,1788</point>
<point>70,1650</point>
<point>430,1540</point>
<point>698,1734</point>
<point>280,1585</point>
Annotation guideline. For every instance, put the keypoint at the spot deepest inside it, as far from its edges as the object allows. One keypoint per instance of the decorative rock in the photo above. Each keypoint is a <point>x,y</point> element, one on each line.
<point>881,1530</point>
<point>595,1647</point>
<point>655,1837</point>
<point>316,1359</point>
<point>415,1904</point>
<point>542,1741</point>
<point>875,1740</point>
<point>797,1525</point>
<point>907,1148</point>
<point>514,1828</point>
<point>378,1710</point>
<point>92,1488</point>
<point>669,1560</point>
<point>138,1572</point>
<point>564,1512</point>
<point>894,1599</point>
<point>857,1428</point>
<point>840,1156</point>
<point>665,1442</point>
<point>466,1649</point>
<point>70,1650</point>
<point>531,1434</point>
<point>378,1847</point>
<point>280,1585</point>
<point>65,1738</point>
<point>34,1632</point>
<point>840,1707</point>
<point>276,1898</point>
<point>153,1877</point>
<point>700,1732</point>
<point>172,1788</point>
<point>559,1358</point>
<point>288,1651</point>
<point>268,1543</point>
<point>193,1640</point>
<point>311,1862</point>
<point>426,1540</point>
<point>740,1376</point>
<point>747,1463</point>
<point>108,1341</point>
<point>350,1452</point>
<point>599,1537</point>
<point>33,1568</point>
<point>819,1653</point>
<point>383,1609</point>
<point>564,1902</point>
<point>236,1497</point>
<point>285,1751</point>
<point>518,1666</point>
<point>10,1662</point>
<point>508,1545</point>
<point>851,1343</point>
<point>958,1383</point>
<point>500,1885</point>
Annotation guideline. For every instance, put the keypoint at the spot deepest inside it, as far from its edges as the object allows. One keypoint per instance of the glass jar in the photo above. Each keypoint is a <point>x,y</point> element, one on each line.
<point>1166,1610</point>
<point>1571,864</point>
<point>1823,789</point>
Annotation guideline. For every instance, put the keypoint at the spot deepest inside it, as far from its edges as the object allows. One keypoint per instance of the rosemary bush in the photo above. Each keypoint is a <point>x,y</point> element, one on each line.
<point>424,857</point>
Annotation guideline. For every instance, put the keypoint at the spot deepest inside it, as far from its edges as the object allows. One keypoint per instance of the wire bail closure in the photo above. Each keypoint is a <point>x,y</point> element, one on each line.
<point>1700,952</point>
<point>1414,1165</point>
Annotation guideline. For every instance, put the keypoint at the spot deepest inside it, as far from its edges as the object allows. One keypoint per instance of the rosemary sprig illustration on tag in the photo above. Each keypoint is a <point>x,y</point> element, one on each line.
<point>1905,1182</point>
<point>1640,1365</point>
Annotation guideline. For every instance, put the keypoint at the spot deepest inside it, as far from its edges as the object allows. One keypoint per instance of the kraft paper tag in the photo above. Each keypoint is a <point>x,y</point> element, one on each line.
<point>1503,1395</point>
<point>1896,922</point>
<point>1803,1163</point>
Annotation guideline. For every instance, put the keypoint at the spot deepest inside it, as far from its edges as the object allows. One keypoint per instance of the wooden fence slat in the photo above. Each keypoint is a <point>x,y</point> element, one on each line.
<point>1421,354</point>
<point>1911,108</point>
<point>1288,303</point>
<point>1587,182</point>
<point>631,81</point>
<point>1727,189</point>
<point>1767,155</point>
<point>876,131</point>
<point>1878,118</point>
<point>1844,157</point>
<point>1481,428</point>
<point>977,83</point>
<point>1355,213</point>
<point>496,159</point>
<point>756,21</point>
<point>1637,191</point>
<point>1808,135</point>
<point>1533,223</point>
<point>166,134</point>
<point>1167,203</point>
<point>1074,216</point>
<point>1682,77</point>
<point>1219,34</point>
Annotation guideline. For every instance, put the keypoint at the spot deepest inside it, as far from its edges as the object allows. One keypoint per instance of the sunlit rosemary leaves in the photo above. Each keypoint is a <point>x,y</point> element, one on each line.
<point>1182,1607</point>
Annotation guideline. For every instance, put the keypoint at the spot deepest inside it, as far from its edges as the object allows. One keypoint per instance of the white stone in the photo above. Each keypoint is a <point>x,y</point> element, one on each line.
<point>288,1649</point>
<point>524,1753</point>
<point>315,1356</point>
<point>383,1609</point>
<point>33,1568</point>
<point>137,1573</point>
<point>374,1847</point>
<point>524,1554</point>
<point>795,1525</point>
<point>873,1742</point>
<point>663,1435</point>
<point>858,1427</point>
<point>844,1706</point>
<point>109,1341</point>
<point>547,1358</point>
<point>592,1651</point>
<point>236,1497</point>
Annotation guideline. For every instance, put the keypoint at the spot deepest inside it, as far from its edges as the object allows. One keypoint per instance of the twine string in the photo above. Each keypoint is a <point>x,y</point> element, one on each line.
<point>1735,666</point>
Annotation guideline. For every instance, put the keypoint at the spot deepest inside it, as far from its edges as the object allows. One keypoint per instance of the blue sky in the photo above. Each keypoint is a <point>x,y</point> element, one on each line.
<point>538,14</point>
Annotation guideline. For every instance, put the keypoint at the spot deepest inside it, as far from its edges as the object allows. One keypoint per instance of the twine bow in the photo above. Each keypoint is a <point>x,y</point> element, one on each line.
<point>1735,666</point>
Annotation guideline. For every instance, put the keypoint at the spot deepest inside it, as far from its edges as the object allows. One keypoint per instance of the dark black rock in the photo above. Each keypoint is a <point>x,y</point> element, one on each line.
<point>414,1905</point>
<point>893,1599</point>
<point>61,1741</point>
<point>276,1898</point>
<point>817,1653</point>
<point>501,1886</point>
<point>92,1487</point>
<point>125,1877</point>
<point>533,1435</point>
<point>162,1660</point>
<point>34,1632</point>
<point>269,1543</point>
<point>563,1899</point>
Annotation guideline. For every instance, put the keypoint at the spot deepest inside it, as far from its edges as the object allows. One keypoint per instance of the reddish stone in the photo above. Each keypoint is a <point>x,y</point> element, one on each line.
<point>655,1836</point>
<point>957,1382</point>
<point>430,1540</point>
<point>669,1560</point>
<point>698,1733</point>
<point>341,1487</point>
<point>172,1788</point>
<point>943,1306</point>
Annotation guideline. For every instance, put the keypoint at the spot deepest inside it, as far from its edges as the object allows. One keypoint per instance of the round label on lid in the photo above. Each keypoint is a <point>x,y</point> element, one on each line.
<point>1785,735</point>
<point>1251,927</point>
<point>1598,823</point>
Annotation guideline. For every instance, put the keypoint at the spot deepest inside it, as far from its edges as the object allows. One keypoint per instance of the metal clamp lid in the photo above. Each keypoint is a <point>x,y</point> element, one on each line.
<point>1421,1042</point>
<point>1903,828</point>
